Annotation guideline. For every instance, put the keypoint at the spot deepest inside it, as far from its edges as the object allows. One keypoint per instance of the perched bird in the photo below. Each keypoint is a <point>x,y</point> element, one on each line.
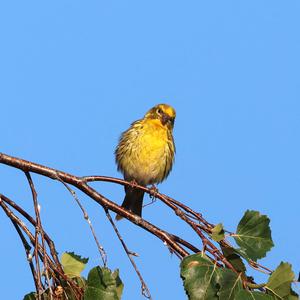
<point>145,153</point>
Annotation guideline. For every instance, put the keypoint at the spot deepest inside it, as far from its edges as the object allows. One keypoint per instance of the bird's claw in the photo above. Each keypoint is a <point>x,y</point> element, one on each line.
<point>153,191</point>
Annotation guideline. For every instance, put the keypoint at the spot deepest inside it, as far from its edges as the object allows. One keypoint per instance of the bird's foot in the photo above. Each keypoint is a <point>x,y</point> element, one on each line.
<point>153,191</point>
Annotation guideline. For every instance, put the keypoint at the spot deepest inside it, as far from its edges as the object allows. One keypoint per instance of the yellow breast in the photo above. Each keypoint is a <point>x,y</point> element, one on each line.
<point>146,152</point>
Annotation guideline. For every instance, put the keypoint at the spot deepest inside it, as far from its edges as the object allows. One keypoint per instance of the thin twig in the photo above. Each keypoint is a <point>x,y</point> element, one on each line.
<point>144,287</point>
<point>26,246</point>
<point>86,217</point>
<point>38,231</point>
<point>33,222</point>
<point>259,267</point>
<point>177,207</point>
<point>55,269</point>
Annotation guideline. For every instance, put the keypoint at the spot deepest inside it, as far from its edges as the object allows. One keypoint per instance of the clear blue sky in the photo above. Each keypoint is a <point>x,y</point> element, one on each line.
<point>75,74</point>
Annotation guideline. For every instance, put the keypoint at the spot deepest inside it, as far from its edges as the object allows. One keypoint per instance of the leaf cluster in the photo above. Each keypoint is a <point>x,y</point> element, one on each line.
<point>101,282</point>
<point>204,279</point>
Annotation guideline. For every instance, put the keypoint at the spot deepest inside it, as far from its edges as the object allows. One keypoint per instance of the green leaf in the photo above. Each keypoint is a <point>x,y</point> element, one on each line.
<point>73,264</point>
<point>230,285</point>
<point>249,295</point>
<point>33,296</point>
<point>233,258</point>
<point>30,296</point>
<point>254,235</point>
<point>103,284</point>
<point>200,277</point>
<point>279,283</point>
<point>217,233</point>
<point>293,296</point>
<point>243,254</point>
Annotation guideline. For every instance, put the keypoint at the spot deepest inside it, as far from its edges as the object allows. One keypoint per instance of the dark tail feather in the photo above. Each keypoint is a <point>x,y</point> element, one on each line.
<point>133,201</point>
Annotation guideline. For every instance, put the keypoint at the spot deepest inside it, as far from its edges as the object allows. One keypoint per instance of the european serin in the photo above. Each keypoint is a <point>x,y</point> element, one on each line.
<point>145,153</point>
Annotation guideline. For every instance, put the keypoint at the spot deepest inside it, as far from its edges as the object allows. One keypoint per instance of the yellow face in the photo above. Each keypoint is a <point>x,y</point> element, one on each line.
<point>164,113</point>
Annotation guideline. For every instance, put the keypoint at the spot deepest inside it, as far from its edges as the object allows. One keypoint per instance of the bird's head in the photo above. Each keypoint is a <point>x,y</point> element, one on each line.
<point>164,113</point>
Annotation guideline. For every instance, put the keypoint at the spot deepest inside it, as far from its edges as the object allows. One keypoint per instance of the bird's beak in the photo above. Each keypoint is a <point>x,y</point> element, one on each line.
<point>165,119</point>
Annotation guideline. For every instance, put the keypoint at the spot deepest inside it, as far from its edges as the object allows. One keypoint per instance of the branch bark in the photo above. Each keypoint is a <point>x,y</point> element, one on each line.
<point>81,184</point>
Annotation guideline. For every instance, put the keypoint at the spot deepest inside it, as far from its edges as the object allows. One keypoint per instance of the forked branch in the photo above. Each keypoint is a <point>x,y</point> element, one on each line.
<point>176,244</point>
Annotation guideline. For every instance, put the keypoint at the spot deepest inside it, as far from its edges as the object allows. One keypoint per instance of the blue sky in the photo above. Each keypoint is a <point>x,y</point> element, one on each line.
<point>75,74</point>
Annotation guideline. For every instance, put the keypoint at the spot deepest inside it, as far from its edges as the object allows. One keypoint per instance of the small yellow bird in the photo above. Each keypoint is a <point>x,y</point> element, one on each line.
<point>145,153</point>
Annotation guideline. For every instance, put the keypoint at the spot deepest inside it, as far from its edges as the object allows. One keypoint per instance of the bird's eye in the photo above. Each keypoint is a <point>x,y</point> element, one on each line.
<point>159,111</point>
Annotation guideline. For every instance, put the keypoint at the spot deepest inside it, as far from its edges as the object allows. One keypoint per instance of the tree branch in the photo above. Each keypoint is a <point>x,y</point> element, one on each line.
<point>82,185</point>
<point>175,244</point>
